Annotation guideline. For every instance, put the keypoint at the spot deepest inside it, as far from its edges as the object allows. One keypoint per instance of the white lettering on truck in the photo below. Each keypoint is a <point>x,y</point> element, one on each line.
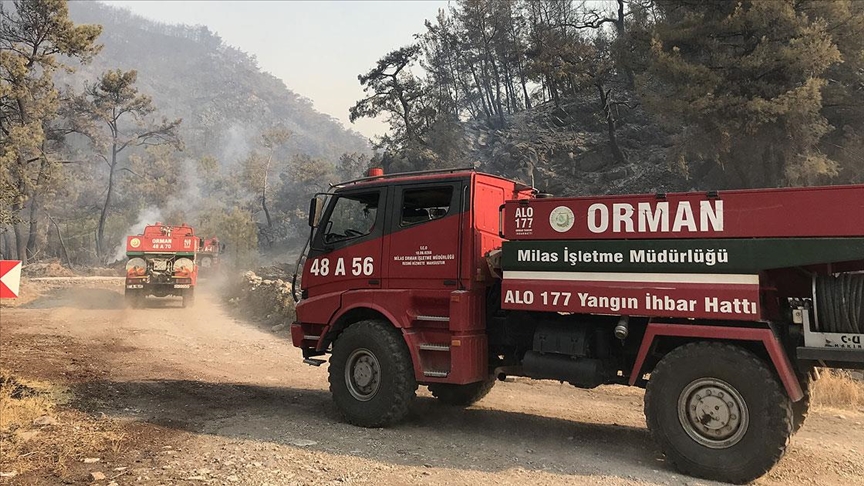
<point>359,266</point>
<point>657,219</point>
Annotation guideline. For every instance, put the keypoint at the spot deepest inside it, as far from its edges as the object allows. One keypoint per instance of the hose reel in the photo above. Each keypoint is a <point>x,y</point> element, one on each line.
<point>839,303</point>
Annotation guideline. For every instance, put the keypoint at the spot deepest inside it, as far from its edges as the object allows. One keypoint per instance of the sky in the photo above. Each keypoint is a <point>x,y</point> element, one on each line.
<point>316,47</point>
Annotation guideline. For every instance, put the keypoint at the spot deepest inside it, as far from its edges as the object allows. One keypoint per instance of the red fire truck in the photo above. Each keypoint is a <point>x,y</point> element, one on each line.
<point>161,263</point>
<point>719,304</point>
<point>208,255</point>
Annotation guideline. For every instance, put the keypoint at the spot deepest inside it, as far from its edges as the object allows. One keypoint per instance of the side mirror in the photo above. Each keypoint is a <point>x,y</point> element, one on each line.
<point>316,205</point>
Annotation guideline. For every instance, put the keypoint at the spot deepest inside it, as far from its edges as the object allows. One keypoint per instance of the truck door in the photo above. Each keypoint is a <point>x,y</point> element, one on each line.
<point>425,235</point>
<point>346,250</point>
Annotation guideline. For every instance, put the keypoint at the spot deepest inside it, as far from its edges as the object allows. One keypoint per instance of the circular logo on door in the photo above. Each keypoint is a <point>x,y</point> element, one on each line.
<point>134,242</point>
<point>561,219</point>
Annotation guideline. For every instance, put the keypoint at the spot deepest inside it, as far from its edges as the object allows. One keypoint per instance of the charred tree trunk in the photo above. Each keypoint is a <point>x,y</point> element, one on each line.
<point>62,243</point>
<point>264,192</point>
<point>6,249</point>
<point>524,83</point>
<point>610,124</point>
<point>553,91</point>
<point>20,243</point>
<point>35,202</point>
<point>33,227</point>
<point>498,105</point>
<point>100,232</point>
<point>480,92</point>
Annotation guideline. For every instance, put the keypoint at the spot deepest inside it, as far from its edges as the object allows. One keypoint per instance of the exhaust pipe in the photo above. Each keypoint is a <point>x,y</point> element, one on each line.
<point>623,328</point>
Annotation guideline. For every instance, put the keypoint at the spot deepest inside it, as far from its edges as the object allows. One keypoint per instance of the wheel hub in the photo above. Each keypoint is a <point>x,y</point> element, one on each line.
<point>713,413</point>
<point>363,374</point>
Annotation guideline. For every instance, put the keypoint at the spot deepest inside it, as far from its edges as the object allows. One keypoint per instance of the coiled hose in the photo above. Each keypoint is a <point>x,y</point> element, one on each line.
<point>840,303</point>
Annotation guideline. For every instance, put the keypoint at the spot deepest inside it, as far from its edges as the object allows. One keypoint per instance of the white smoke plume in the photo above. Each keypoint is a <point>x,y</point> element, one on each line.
<point>148,215</point>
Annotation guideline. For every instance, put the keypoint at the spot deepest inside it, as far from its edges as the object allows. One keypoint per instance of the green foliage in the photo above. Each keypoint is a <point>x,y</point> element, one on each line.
<point>752,93</point>
<point>352,166</point>
<point>843,94</point>
<point>393,91</point>
<point>155,177</point>
<point>237,229</point>
<point>745,80</point>
<point>114,103</point>
<point>33,33</point>
<point>485,60</point>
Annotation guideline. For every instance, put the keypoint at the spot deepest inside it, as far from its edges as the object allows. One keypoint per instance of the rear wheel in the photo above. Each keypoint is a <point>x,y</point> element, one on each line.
<point>462,395</point>
<point>189,297</point>
<point>371,374</point>
<point>801,408</point>
<point>134,298</point>
<point>718,412</point>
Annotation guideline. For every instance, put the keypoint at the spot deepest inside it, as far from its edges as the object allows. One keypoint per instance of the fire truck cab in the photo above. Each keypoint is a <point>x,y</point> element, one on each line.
<point>409,253</point>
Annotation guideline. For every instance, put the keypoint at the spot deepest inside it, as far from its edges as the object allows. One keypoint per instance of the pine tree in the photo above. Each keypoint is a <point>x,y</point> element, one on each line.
<point>742,83</point>
<point>33,36</point>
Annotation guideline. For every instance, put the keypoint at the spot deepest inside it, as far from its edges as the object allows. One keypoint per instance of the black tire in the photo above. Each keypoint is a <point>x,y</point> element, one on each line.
<point>189,297</point>
<point>134,299</point>
<point>371,374</point>
<point>691,429</point>
<point>801,408</point>
<point>129,298</point>
<point>462,395</point>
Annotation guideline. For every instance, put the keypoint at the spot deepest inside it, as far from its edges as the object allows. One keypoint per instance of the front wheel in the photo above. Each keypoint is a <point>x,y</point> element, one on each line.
<point>371,374</point>
<point>462,395</point>
<point>718,412</point>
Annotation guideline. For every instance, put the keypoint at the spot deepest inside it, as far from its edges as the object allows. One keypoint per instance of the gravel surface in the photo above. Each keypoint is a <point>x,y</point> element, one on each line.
<point>206,397</point>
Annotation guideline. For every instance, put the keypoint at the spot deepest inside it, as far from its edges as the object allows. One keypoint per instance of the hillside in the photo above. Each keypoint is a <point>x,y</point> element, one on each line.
<point>220,92</point>
<point>565,151</point>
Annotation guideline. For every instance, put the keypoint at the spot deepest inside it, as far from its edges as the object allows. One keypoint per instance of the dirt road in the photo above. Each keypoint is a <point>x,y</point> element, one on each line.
<point>203,396</point>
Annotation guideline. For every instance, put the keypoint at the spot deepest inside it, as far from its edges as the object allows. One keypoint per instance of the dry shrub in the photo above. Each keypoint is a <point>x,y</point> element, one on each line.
<point>46,269</point>
<point>264,299</point>
<point>51,449</point>
<point>22,402</point>
<point>837,389</point>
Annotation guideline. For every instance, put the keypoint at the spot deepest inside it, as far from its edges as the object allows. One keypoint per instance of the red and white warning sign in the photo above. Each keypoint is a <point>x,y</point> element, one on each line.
<point>10,278</point>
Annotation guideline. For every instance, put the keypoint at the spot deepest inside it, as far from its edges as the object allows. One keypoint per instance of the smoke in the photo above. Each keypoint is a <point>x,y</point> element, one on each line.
<point>188,201</point>
<point>236,144</point>
<point>189,204</point>
<point>148,215</point>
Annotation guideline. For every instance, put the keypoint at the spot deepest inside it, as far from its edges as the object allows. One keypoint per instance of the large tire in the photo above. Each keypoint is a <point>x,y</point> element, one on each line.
<point>371,374</point>
<point>462,395</point>
<point>801,408</point>
<point>189,297</point>
<point>134,298</point>
<point>718,412</point>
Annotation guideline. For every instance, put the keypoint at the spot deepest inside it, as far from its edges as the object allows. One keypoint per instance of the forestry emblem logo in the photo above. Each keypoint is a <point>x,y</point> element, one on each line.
<point>561,219</point>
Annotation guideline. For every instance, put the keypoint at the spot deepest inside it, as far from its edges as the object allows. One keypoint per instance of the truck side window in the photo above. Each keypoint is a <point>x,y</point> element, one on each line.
<point>421,205</point>
<point>353,216</point>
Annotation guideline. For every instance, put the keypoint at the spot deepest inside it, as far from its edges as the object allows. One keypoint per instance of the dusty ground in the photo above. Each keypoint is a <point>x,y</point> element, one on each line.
<point>201,396</point>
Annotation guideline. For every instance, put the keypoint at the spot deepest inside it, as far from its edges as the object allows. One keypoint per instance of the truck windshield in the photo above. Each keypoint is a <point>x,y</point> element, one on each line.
<point>353,216</point>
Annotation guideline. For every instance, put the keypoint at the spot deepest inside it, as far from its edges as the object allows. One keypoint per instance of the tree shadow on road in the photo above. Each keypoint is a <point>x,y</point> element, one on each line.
<point>435,435</point>
<point>78,298</point>
<point>89,298</point>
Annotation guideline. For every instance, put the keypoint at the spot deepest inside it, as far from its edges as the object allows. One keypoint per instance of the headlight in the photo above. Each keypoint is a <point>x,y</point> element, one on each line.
<point>136,266</point>
<point>183,265</point>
